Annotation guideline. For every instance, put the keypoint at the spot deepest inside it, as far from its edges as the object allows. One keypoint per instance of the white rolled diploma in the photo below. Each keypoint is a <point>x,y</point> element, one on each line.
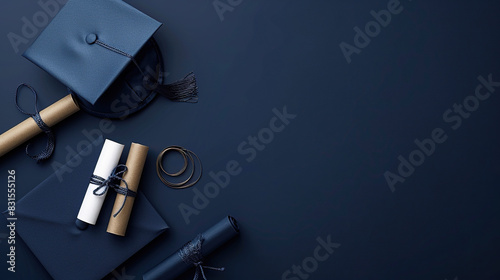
<point>108,160</point>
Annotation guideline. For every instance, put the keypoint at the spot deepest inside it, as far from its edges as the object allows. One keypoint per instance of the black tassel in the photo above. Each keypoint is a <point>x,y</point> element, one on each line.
<point>184,90</point>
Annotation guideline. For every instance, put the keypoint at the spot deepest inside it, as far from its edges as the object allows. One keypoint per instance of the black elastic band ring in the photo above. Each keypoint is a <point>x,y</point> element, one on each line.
<point>186,154</point>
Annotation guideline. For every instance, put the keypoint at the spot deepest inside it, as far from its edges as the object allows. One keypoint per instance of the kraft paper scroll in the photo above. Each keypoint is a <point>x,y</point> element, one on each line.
<point>108,160</point>
<point>28,129</point>
<point>135,164</point>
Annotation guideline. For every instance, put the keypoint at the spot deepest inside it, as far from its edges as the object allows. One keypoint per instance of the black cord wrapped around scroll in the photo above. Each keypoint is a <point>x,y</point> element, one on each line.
<point>113,182</point>
<point>191,254</point>
<point>51,142</point>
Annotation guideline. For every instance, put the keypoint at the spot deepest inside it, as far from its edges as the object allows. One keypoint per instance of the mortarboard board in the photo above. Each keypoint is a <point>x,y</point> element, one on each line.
<point>90,42</point>
<point>46,223</point>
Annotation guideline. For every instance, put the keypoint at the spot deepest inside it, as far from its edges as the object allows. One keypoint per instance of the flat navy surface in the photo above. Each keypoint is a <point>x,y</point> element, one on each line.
<point>351,140</point>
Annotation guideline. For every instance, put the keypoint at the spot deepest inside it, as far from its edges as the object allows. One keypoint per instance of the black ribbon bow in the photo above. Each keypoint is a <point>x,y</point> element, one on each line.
<point>49,147</point>
<point>191,254</point>
<point>113,182</point>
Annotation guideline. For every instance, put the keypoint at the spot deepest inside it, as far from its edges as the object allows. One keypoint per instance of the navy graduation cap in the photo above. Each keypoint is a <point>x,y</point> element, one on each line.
<point>90,42</point>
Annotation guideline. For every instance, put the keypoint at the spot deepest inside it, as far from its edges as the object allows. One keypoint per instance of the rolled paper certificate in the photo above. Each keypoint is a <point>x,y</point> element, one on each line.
<point>92,203</point>
<point>187,256</point>
<point>123,203</point>
<point>28,129</point>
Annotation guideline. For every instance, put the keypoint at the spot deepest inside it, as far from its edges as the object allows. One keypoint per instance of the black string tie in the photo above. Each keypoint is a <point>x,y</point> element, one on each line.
<point>113,183</point>
<point>191,254</point>
<point>51,142</point>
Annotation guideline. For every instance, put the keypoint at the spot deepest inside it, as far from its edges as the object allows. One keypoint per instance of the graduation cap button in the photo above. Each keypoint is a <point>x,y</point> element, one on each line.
<point>91,39</point>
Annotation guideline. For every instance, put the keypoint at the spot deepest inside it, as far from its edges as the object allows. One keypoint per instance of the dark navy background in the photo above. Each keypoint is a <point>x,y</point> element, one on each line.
<point>323,175</point>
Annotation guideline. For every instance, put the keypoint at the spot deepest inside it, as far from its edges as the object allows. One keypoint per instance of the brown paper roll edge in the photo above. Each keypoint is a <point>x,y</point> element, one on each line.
<point>28,129</point>
<point>135,164</point>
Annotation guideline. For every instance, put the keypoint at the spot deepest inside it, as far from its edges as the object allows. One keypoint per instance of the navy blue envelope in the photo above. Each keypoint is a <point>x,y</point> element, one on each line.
<point>89,43</point>
<point>46,223</point>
